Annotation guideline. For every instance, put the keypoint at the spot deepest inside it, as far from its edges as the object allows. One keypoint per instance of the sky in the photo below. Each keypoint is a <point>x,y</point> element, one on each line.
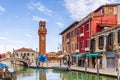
<point>19,21</point>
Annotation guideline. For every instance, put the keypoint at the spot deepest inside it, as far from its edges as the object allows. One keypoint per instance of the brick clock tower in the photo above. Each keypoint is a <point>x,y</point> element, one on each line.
<point>42,31</point>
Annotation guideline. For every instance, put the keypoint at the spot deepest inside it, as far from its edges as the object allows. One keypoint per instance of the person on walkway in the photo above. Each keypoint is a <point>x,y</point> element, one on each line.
<point>68,61</point>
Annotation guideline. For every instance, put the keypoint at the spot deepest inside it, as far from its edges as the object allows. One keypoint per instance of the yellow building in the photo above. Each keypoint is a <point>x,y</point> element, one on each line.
<point>69,39</point>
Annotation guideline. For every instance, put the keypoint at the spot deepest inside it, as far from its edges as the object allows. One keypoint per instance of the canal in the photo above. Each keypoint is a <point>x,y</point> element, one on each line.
<point>22,73</point>
<point>50,74</point>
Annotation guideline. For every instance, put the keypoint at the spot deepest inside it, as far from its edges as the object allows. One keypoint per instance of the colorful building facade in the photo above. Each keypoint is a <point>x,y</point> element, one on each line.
<point>104,17</point>
<point>69,39</point>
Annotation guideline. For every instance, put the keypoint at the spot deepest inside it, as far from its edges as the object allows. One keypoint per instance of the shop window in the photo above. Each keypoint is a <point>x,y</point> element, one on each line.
<point>101,42</point>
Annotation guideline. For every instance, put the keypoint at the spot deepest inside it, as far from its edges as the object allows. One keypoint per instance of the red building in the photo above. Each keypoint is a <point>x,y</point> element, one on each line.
<point>102,18</point>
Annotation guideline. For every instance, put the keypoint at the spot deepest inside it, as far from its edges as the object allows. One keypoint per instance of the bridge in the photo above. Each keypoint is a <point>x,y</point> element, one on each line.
<point>25,63</point>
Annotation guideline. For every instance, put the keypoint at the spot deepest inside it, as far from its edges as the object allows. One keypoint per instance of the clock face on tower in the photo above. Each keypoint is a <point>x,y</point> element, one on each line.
<point>42,38</point>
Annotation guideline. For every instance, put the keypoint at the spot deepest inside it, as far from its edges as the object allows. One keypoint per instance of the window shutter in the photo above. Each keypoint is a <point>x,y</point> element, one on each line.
<point>102,41</point>
<point>107,41</point>
<point>119,36</point>
<point>99,42</point>
<point>112,39</point>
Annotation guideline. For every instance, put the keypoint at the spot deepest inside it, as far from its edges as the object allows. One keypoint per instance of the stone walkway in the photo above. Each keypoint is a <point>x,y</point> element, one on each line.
<point>110,72</point>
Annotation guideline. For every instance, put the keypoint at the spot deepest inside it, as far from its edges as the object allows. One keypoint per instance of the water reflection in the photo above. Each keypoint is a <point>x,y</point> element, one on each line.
<point>49,74</point>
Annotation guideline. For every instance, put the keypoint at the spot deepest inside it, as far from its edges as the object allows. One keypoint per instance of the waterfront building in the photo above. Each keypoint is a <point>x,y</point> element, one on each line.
<point>42,31</point>
<point>26,53</point>
<point>104,17</point>
<point>69,40</point>
<point>107,42</point>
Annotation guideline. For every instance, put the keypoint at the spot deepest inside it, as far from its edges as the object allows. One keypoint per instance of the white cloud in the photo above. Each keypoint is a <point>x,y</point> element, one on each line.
<point>2,9</point>
<point>37,18</point>
<point>3,38</point>
<point>40,7</point>
<point>60,24</point>
<point>81,8</point>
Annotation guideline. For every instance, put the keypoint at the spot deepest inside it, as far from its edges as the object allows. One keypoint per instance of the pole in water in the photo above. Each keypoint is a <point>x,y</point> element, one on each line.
<point>98,66</point>
<point>86,65</point>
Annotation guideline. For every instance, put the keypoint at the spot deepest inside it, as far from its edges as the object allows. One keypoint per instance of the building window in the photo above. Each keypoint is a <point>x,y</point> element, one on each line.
<point>101,42</point>
<point>82,45</point>
<point>27,54</point>
<point>24,54</point>
<point>82,29</point>
<point>32,54</point>
<point>72,47</point>
<point>119,37</point>
<point>109,42</point>
<point>71,33</point>
<point>77,45</point>
<point>63,39</point>
<point>87,26</point>
<point>21,54</point>
<point>77,32</point>
<point>87,43</point>
<point>92,45</point>
<point>100,11</point>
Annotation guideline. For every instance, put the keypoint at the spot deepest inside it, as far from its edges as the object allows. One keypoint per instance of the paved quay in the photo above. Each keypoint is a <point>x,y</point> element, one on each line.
<point>108,72</point>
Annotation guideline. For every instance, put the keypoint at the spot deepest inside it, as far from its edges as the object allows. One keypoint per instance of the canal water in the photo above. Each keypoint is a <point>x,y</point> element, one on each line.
<point>22,73</point>
<point>50,74</point>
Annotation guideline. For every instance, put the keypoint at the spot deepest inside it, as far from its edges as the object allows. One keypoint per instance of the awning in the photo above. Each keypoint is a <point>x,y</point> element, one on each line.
<point>78,55</point>
<point>94,54</point>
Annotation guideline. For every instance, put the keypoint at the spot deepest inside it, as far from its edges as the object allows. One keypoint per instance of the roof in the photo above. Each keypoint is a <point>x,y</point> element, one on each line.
<point>105,6</point>
<point>86,18</point>
<point>72,25</point>
<point>25,50</point>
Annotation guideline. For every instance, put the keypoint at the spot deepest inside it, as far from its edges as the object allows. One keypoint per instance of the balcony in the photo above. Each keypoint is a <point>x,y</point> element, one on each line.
<point>68,40</point>
<point>87,49</point>
<point>77,50</point>
<point>82,35</point>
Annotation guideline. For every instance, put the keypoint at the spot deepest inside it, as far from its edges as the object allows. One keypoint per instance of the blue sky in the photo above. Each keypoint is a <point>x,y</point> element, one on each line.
<point>19,20</point>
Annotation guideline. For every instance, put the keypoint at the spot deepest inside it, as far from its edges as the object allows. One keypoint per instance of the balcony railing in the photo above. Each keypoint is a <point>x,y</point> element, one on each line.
<point>82,34</point>
<point>87,49</point>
